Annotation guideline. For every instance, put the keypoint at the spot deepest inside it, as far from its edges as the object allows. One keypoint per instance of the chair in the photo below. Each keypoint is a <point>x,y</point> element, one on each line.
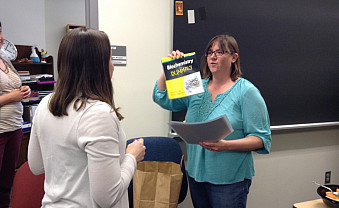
<point>163,149</point>
<point>28,189</point>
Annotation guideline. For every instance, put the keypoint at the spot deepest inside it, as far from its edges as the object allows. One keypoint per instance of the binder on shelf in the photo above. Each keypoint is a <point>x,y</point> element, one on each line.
<point>29,111</point>
<point>44,93</point>
<point>46,82</point>
<point>26,126</point>
<point>38,78</point>
<point>23,73</point>
<point>33,97</point>
<point>42,77</point>
<point>28,81</point>
<point>25,77</point>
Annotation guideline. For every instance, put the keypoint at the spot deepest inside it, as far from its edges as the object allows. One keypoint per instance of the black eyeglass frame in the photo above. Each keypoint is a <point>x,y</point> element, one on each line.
<point>218,53</point>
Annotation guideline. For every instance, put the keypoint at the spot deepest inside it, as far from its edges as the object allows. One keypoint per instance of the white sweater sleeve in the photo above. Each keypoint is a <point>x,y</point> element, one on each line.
<point>34,154</point>
<point>100,136</point>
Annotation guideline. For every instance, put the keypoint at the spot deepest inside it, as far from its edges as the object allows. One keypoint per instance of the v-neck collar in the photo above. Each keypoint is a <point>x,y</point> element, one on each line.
<point>207,106</point>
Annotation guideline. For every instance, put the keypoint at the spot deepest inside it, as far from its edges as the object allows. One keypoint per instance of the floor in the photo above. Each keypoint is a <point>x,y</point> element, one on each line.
<point>187,203</point>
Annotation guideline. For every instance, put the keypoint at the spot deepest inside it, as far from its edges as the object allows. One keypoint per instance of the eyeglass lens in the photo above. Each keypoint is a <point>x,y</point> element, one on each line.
<point>217,53</point>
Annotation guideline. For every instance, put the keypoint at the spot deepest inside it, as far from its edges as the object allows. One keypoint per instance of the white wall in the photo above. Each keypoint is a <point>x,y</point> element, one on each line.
<point>145,28</point>
<point>23,22</point>
<point>41,22</point>
<point>283,177</point>
<point>58,15</point>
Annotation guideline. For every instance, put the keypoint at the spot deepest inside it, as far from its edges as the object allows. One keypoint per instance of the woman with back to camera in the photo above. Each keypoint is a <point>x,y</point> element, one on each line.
<point>76,138</point>
<point>11,94</point>
<point>220,173</point>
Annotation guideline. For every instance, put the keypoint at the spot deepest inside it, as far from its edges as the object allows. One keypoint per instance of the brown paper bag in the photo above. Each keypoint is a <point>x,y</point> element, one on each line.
<point>157,184</point>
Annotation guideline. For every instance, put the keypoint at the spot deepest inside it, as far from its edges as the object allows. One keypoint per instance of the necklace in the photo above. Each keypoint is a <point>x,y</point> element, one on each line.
<point>6,68</point>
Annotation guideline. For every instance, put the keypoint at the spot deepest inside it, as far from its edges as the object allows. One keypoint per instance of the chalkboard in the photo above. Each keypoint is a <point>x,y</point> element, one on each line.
<point>288,49</point>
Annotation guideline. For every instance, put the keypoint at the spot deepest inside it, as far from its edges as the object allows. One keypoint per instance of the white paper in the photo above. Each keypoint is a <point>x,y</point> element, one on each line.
<point>212,130</point>
<point>191,17</point>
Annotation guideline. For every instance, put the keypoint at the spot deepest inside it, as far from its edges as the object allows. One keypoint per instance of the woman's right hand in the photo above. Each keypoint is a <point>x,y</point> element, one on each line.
<point>162,80</point>
<point>26,90</point>
<point>137,149</point>
<point>176,54</point>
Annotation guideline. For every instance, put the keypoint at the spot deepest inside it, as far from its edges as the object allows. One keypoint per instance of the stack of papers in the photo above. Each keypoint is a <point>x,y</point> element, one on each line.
<point>211,131</point>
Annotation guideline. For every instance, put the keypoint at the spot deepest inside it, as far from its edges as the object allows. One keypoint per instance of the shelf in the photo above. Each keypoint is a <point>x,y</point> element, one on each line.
<point>27,63</point>
<point>70,27</point>
<point>31,102</point>
<point>37,82</point>
<point>24,52</point>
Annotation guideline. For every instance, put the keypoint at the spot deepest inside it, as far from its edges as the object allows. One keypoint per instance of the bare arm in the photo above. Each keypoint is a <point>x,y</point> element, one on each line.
<point>245,144</point>
<point>15,95</point>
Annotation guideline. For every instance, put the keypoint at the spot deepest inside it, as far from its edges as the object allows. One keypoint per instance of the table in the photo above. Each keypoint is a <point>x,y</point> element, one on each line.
<point>318,203</point>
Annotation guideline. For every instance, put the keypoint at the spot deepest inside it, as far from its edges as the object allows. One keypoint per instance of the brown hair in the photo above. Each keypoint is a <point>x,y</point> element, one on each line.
<point>227,43</point>
<point>83,68</point>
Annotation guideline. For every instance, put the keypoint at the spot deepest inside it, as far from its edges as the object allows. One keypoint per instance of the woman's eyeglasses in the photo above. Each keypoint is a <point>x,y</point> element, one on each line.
<point>217,53</point>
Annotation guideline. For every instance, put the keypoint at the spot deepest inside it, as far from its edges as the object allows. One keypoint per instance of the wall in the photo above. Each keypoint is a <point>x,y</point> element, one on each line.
<point>146,30</point>
<point>23,22</point>
<point>41,22</point>
<point>58,15</point>
<point>283,177</point>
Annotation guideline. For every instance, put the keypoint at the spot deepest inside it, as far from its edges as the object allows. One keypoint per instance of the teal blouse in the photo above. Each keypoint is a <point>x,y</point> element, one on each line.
<point>245,108</point>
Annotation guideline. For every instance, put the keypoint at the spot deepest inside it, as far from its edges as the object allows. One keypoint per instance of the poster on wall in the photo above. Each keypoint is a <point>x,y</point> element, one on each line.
<point>119,55</point>
<point>179,8</point>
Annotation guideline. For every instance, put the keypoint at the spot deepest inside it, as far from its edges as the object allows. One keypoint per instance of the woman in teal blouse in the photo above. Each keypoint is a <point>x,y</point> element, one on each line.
<point>220,173</point>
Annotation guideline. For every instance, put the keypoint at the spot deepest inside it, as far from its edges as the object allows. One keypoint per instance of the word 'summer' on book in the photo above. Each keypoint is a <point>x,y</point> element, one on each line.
<point>182,76</point>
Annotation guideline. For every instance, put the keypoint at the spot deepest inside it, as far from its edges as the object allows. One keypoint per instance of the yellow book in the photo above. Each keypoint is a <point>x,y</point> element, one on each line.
<point>23,73</point>
<point>182,76</point>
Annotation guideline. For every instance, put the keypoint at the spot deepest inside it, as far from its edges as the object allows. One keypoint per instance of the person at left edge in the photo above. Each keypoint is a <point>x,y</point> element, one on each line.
<point>11,94</point>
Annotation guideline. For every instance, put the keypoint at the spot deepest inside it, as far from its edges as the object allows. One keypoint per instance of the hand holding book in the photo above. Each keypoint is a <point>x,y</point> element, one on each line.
<point>182,75</point>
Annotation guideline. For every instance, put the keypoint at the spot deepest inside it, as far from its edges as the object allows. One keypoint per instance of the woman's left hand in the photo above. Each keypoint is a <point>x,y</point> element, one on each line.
<point>215,146</point>
<point>26,90</point>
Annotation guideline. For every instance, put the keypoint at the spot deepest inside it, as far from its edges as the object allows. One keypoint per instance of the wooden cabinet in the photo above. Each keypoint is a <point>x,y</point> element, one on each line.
<point>70,27</point>
<point>36,87</point>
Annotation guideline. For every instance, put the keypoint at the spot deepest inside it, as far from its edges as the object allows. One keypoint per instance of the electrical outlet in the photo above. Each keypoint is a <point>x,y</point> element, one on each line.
<point>328,177</point>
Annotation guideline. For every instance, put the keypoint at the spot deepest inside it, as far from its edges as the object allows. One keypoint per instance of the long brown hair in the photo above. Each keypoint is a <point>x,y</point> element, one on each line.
<point>83,69</point>
<point>227,43</point>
